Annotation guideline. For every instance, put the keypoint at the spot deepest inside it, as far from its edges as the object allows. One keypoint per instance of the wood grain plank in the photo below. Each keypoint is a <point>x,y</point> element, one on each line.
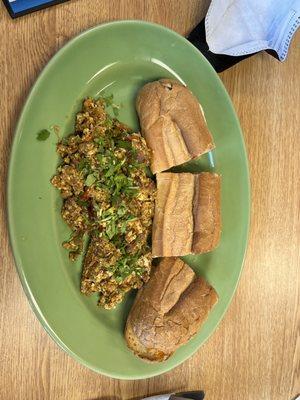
<point>26,46</point>
<point>254,354</point>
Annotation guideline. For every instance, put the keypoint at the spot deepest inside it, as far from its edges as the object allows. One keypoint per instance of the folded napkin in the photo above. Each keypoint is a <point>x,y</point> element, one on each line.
<point>240,27</point>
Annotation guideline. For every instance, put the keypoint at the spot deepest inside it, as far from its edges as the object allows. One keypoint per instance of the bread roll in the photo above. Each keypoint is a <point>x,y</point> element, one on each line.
<point>173,124</point>
<point>187,216</point>
<point>168,310</point>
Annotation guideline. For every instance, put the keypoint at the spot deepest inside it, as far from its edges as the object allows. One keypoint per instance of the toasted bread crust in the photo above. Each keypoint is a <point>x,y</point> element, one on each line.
<point>173,124</point>
<point>206,212</point>
<point>187,216</point>
<point>168,310</point>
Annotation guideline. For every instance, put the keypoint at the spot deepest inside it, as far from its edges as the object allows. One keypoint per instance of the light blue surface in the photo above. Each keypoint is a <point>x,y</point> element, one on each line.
<point>239,27</point>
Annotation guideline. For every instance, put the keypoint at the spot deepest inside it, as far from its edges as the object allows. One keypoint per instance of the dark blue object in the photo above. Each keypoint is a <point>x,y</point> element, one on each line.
<point>16,8</point>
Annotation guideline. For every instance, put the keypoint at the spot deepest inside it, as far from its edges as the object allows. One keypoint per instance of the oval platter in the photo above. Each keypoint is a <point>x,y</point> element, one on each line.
<point>115,58</point>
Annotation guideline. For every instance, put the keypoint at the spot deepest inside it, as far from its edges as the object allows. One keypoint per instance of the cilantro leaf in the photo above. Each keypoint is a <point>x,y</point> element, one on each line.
<point>115,110</point>
<point>124,144</point>
<point>83,164</point>
<point>90,180</point>
<point>43,135</point>
<point>108,100</point>
<point>111,230</point>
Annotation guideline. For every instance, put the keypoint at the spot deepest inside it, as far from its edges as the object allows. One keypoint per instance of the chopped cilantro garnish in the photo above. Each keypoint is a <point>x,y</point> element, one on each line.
<point>82,203</point>
<point>43,135</point>
<point>90,180</point>
<point>111,230</point>
<point>108,100</point>
<point>124,144</point>
<point>110,171</point>
<point>83,164</point>
<point>115,110</point>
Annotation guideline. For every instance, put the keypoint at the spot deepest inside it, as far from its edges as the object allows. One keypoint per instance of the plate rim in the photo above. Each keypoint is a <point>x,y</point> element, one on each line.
<point>17,132</point>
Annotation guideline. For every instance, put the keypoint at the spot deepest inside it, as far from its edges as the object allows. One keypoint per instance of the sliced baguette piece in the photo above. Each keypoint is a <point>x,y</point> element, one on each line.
<point>187,214</point>
<point>206,212</point>
<point>172,230</point>
<point>173,124</point>
<point>168,310</point>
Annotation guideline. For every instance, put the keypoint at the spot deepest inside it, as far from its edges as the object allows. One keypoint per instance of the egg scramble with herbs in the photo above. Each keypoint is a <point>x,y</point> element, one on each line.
<point>107,195</point>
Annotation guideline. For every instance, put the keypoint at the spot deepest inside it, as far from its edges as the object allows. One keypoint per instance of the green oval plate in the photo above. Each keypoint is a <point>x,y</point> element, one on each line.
<point>115,58</point>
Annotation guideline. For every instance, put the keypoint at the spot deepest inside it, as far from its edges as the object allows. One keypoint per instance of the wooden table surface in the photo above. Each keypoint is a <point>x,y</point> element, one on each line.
<point>254,354</point>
